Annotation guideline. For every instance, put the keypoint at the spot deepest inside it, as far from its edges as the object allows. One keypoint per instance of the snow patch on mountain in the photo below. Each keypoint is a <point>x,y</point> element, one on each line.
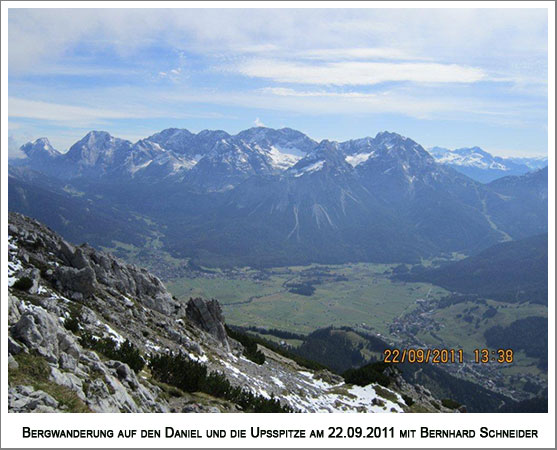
<point>281,159</point>
<point>356,160</point>
<point>136,168</point>
<point>473,157</point>
<point>315,167</point>
<point>341,398</point>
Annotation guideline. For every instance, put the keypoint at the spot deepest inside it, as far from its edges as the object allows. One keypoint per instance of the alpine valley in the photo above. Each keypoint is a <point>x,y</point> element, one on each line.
<point>321,254</point>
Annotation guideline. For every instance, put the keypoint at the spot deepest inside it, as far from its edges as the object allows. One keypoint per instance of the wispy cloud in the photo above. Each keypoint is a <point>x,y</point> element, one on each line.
<point>13,148</point>
<point>423,104</point>
<point>354,73</point>
<point>31,109</point>
<point>166,101</point>
<point>359,53</point>
<point>82,116</point>
<point>78,69</point>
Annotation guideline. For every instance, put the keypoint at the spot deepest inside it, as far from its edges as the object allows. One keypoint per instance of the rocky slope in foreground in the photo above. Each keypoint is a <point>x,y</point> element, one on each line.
<point>75,314</point>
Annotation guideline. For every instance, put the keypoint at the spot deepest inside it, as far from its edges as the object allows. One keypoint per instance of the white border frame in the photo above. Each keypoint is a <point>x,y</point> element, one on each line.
<point>11,428</point>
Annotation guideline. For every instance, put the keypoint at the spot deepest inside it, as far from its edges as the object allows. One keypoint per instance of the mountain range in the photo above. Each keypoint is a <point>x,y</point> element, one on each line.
<point>213,160</point>
<point>272,197</point>
<point>174,152</point>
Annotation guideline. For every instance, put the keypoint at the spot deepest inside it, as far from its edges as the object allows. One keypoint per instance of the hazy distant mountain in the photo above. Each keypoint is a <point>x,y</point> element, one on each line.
<point>267,197</point>
<point>39,155</point>
<point>524,207</point>
<point>530,184</point>
<point>40,150</point>
<point>84,218</point>
<point>534,163</point>
<point>510,272</point>
<point>482,166</point>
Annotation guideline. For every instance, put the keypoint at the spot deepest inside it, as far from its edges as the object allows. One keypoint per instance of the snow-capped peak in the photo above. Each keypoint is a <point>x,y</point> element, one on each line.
<point>468,157</point>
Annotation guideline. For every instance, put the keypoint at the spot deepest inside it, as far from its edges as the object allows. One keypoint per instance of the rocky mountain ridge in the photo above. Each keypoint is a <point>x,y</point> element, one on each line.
<point>177,154</point>
<point>82,325</point>
<point>174,154</point>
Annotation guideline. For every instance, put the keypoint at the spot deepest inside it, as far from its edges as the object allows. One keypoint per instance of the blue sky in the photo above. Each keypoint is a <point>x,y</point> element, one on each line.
<point>446,77</point>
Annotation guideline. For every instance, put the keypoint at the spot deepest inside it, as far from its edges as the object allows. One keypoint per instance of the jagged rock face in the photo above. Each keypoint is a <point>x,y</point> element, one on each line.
<point>40,150</point>
<point>98,152</point>
<point>286,138</point>
<point>26,399</point>
<point>41,331</point>
<point>208,316</point>
<point>102,386</point>
<point>82,271</point>
<point>60,294</point>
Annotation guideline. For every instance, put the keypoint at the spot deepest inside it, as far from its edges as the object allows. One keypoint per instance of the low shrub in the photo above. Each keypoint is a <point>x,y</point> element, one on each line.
<point>191,376</point>
<point>126,352</point>
<point>451,404</point>
<point>370,373</point>
<point>71,324</point>
<point>23,284</point>
<point>250,345</point>
<point>34,370</point>
<point>287,352</point>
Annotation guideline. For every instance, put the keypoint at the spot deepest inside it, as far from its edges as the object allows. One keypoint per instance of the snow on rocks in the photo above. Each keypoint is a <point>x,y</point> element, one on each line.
<point>281,159</point>
<point>356,160</point>
<point>315,167</point>
<point>115,336</point>
<point>305,391</point>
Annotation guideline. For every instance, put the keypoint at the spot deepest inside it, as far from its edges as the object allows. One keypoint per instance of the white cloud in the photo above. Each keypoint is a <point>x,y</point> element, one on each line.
<point>139,105</point>
<point>13,148</point>
<point>361,53</point>
<point>314,102</point>
<point>521,153</point>
<point>79,69</point>
<point>258,123</point>
<point>31,109</point>
<point>353,73</point>
<point>491,36</point>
